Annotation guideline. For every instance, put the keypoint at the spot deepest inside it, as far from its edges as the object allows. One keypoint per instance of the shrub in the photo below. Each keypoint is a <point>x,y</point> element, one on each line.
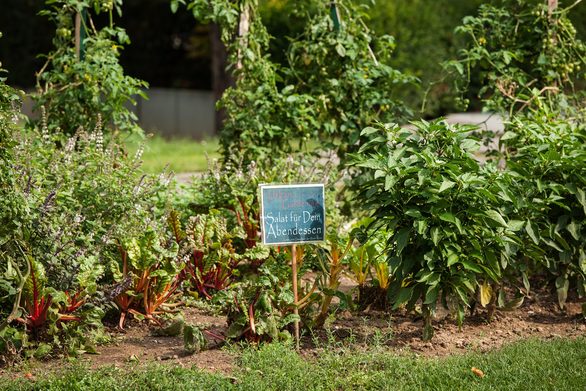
<point>440,207</point>
<point>336,81</point>
<point>547,158</point>
<point>525,54</point>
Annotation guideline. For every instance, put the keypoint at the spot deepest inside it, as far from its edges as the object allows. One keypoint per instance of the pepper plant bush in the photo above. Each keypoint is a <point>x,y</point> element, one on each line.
<point>447,236</point>
<point>547,158</point>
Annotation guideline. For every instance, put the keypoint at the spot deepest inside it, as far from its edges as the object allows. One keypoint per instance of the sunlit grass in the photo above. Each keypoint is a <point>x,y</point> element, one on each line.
<point>529,365</point>
<point>182,155</point>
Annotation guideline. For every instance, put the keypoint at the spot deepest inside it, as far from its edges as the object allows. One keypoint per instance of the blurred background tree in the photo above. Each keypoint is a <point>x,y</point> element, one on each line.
<point>171,50</point>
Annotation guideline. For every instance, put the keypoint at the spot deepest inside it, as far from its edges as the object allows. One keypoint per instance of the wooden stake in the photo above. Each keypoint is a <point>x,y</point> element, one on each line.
<point>295,297</point>
<point>77,35</point>
<point>552,5</point>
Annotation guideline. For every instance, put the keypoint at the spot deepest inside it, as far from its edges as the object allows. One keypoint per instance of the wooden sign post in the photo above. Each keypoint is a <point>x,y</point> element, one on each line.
<point>292,215</point>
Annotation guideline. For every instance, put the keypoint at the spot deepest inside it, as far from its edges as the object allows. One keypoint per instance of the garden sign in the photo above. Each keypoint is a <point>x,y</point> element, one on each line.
<point>293,214</point>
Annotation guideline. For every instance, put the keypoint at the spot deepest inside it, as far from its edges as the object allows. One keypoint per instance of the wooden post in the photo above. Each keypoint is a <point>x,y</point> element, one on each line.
<point>243,27</point>
<point>80,34</point>
<point>552,5</point>
<point>77,35</point>
<point>295,296</point>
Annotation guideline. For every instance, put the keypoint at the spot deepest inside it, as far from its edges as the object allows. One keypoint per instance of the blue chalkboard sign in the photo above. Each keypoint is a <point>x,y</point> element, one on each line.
<point>292,214</point>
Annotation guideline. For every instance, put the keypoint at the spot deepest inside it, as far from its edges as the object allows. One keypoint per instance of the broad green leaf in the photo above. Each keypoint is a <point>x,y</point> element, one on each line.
<point>531,233</point>
<point>402,238</point>
<point>435,235</point>
<point>390,182</point>
<point>470,265</point>
<point>516,225</point>
<point>379,174</point>
<point>447,216</point>
<point>573,229</point>
<point>431,296</point>
<point>413,213</point>
<point>446,184</point>
<point>452,258</point>
<point>496,216</point>
<point>341,50</point>
<point>552,244</point>
<point>369,130</point>
<point>403,297</point>
<point>421,226</point>
<point>508,136</point>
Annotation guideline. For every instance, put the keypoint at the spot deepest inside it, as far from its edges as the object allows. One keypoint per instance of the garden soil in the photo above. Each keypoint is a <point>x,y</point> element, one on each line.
<point>538,317</point>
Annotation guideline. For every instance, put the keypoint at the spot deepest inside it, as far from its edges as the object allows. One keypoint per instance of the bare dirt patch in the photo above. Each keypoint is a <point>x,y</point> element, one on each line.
<point>399,332</point>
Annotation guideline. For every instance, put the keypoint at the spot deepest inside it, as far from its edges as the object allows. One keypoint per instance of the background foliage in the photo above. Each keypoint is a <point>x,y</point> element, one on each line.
<point>75,86</point>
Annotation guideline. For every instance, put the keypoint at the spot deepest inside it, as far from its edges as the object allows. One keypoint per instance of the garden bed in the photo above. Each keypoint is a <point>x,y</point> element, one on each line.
<point>397,333</point>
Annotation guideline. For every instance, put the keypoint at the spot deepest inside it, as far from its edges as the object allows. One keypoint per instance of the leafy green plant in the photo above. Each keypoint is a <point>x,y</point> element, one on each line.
<point>331,87</point>
<point>76,84</point>
<point>345,68</point>
<point>526,53</point>
<point>211,258</point>
<point>548,160</point>
<point>332,263</point>
<point>368,266</point>
<point>154,273</point>
<point>193,339</point>
<point>441,211</point>
<point>77,195</point>
<point>260,306</point>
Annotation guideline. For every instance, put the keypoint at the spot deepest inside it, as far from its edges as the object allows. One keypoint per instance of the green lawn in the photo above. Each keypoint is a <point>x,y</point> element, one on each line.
<point>558,364</point>
<point>182,155</point>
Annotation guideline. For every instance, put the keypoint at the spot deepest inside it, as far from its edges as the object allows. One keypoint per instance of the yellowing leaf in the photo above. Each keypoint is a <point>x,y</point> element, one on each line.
<point>485,293</point>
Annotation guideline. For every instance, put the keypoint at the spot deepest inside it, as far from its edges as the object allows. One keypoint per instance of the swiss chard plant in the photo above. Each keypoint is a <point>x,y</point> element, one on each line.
<point>152,269</point>
<point>440,207</point>
<point>260,306</point>
<point>333,260</point>
<point>211,260</point>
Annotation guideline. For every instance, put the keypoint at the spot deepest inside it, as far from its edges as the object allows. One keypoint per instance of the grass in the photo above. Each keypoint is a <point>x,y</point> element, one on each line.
<point>534,364</point>
<point>182,155</point>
